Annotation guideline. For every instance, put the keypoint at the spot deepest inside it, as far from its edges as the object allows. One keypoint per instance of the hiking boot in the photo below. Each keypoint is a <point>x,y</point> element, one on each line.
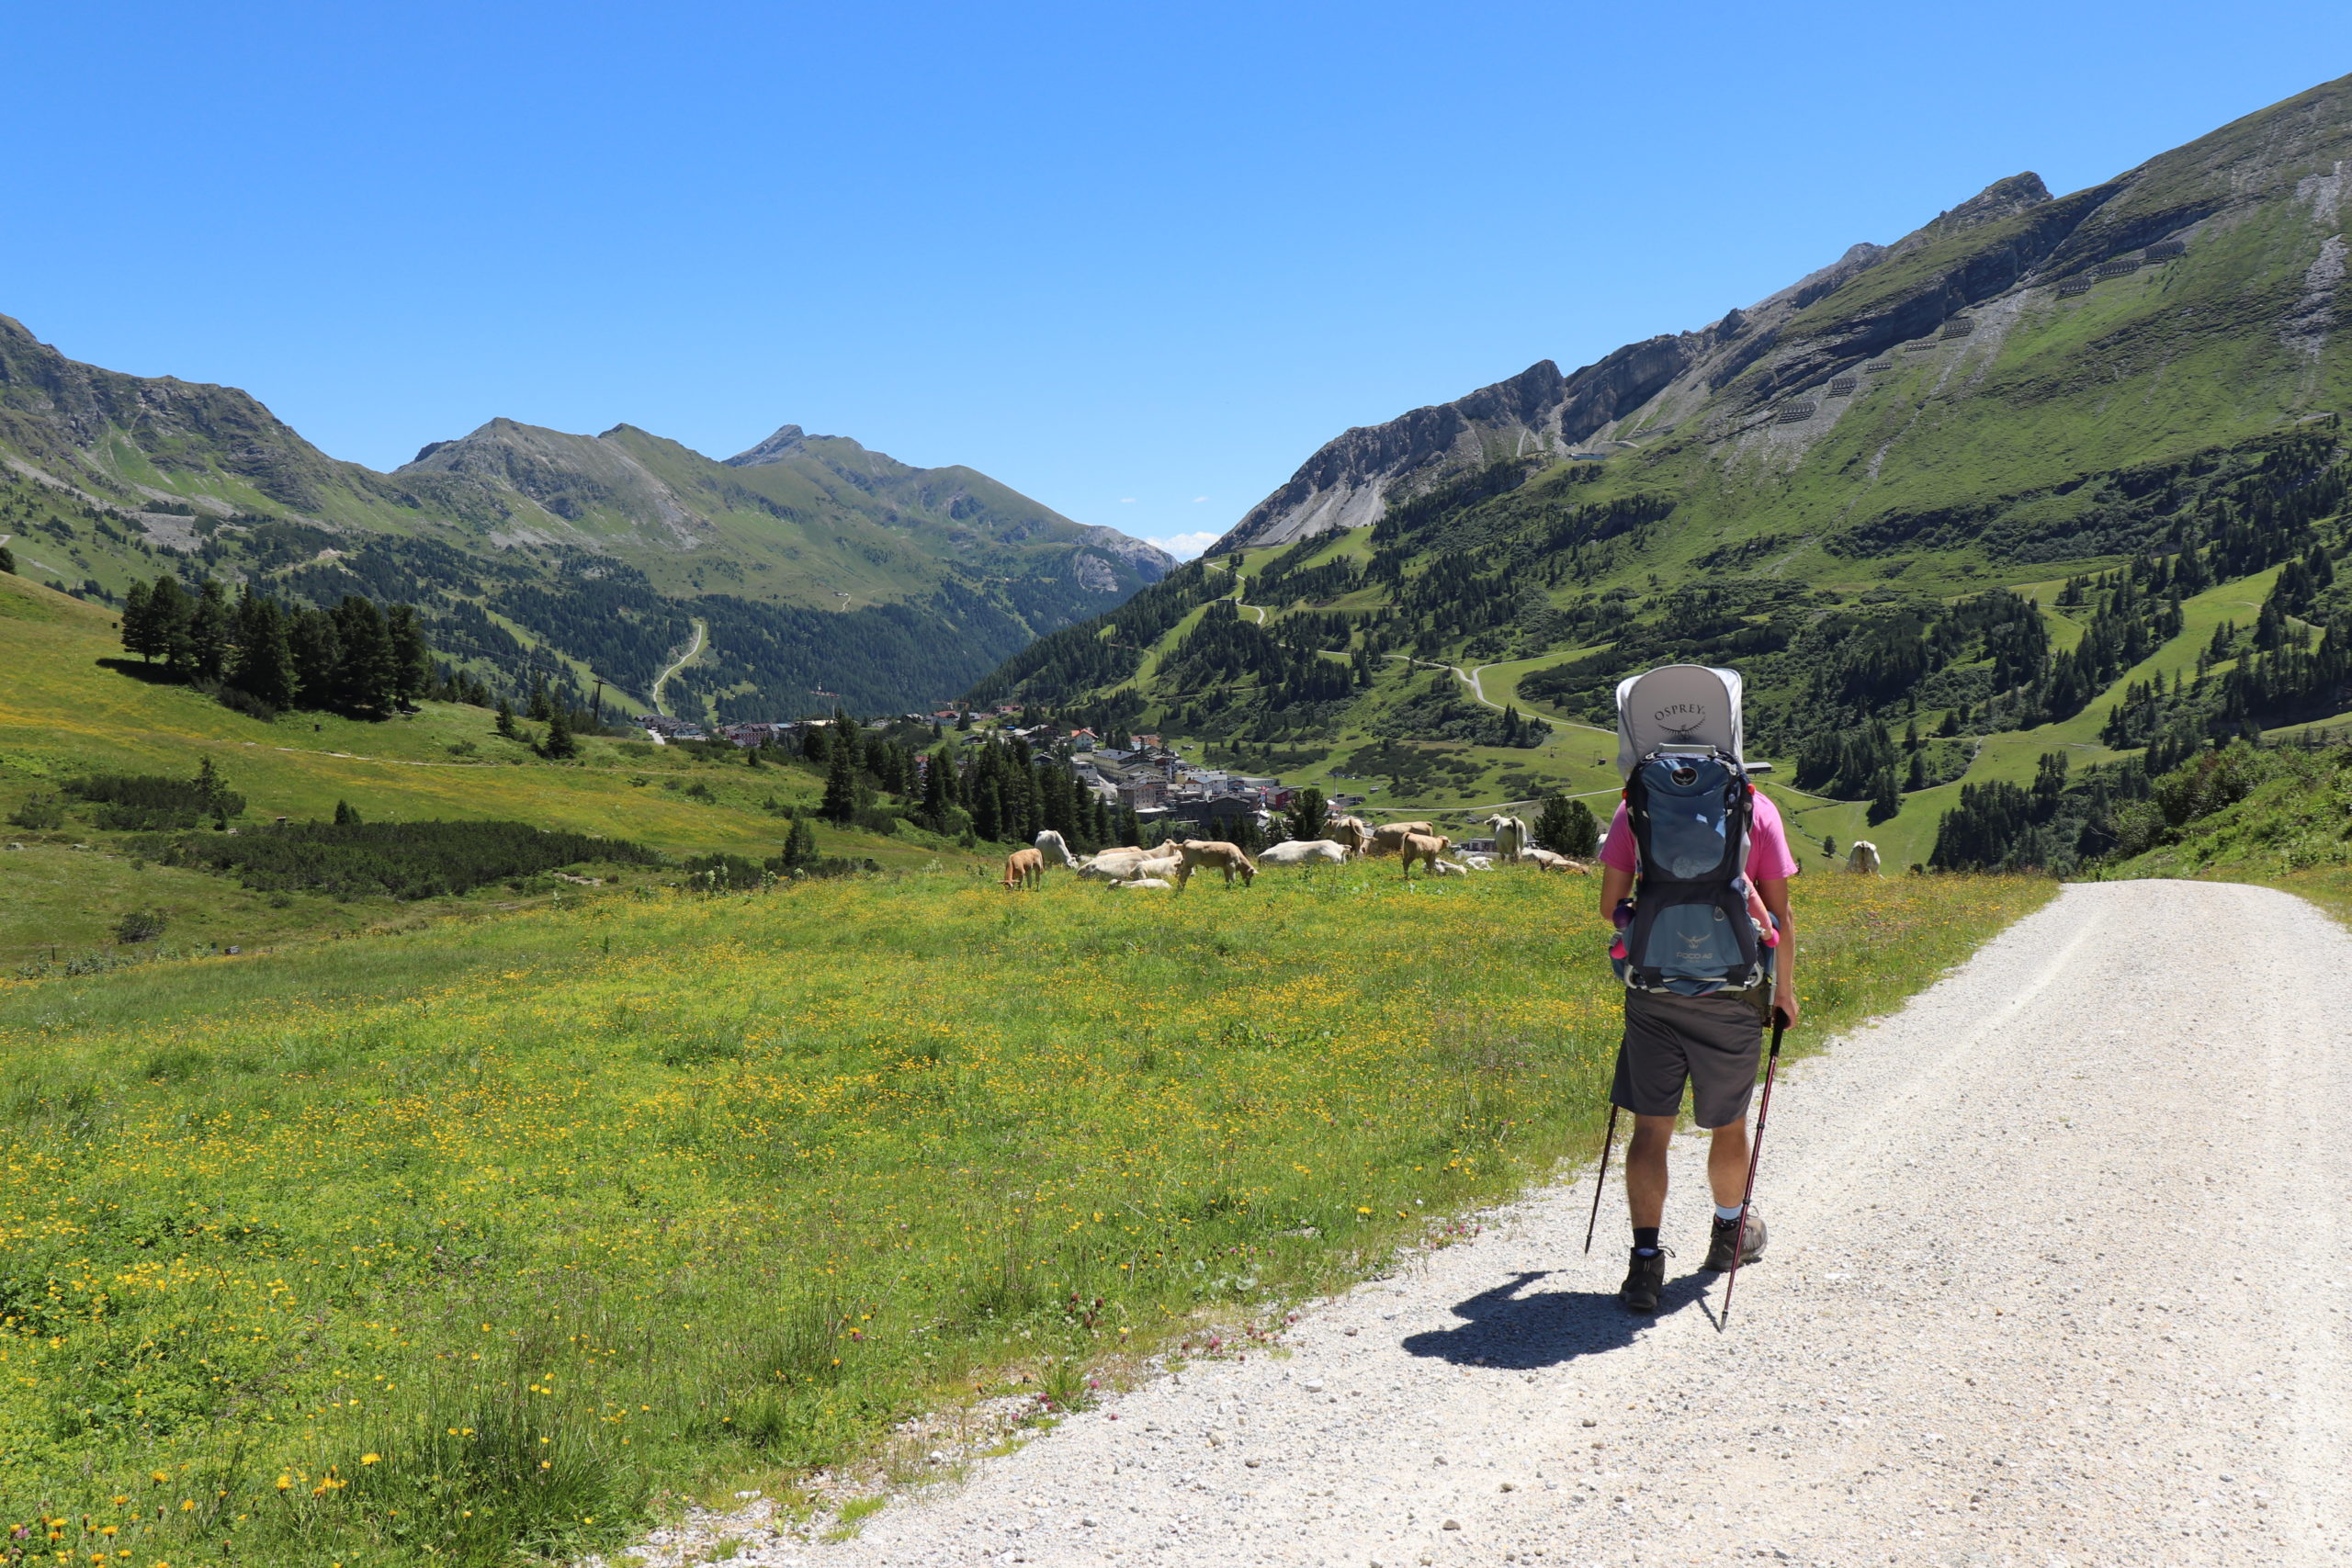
<point>1726,1237</point>
<point>1644,1277</point>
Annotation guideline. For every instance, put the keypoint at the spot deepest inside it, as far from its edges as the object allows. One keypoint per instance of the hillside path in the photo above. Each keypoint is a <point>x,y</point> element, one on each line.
<point>693,652</point>
<point>2057,1276</point>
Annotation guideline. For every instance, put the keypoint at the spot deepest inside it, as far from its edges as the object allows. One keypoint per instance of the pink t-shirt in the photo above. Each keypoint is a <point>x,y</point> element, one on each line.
<point>1767,844</point>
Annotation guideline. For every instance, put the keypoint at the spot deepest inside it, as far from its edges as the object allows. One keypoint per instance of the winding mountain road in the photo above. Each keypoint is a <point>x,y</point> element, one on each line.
<point>2057,1276</point>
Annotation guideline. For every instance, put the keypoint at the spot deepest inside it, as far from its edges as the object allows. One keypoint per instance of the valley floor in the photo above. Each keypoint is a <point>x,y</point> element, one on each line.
<point>2049,1282</point>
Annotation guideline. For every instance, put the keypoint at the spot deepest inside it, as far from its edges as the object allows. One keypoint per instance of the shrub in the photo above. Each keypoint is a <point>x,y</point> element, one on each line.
<point>140,925</point>
<point>397,860</point>
<point>41,813</point>
<point>136,802</point>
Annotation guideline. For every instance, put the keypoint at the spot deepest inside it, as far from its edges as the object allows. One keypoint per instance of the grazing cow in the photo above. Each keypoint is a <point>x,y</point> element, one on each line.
<point>1512,837</point>
<point>1196,855</point>
<point>1023,869</point>
<point>1111,865</point>
<point>1425,848</point>
<point>1862,859</point>
<point>1389,836</point>
<point>1306,852</point>
<point>1050,844</point>
<point>1350,833</point>
<point>1545,860</point>
<point>1151,884</point>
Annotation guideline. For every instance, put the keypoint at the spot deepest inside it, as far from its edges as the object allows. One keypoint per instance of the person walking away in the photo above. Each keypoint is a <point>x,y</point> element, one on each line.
<point>1714,1042</point>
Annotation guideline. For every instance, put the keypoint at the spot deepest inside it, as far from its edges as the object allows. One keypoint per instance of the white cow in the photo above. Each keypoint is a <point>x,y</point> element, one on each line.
<point>1545,860</point>
<point>1111,865</point>
<point>1449,868</point>
<point>1306,851</point>
<point>1050,844</point>
<point>1158,866</point>
<point>1862,859</point>
<point>1149,884</point>
<point>1513,837</point>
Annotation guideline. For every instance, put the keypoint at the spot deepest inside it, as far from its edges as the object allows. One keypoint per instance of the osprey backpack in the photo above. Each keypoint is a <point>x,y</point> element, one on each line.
<point>1691,810</point>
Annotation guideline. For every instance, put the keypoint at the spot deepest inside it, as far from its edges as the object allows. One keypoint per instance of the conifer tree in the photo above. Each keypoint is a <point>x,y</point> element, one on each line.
<point>539,707</point>
<point>364,674</point>
<point>559,745</point>
<point>1310,817</point>
<point>411,657</point>
<point>211,631</point>
<point>265,664</point>
<point>938,782</point>
<point>138,622</point>
<point>344,816</point>
<point>1567,827</point>
<point>840,805</point>
<point>318,655</point>
<point>799,846</point>
<point>506,719</point>
<point>168,609</point>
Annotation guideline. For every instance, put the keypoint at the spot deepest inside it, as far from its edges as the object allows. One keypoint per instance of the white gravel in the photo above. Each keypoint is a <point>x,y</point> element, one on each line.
<point>2058,1276</point>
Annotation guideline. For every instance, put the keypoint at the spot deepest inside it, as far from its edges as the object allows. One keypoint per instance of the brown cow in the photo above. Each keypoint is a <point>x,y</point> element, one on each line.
<point>1024,869</point>
<point>1389,835</point>
<point>1198,853</point>
<point>1425,848</point>
<point>1350,833</point>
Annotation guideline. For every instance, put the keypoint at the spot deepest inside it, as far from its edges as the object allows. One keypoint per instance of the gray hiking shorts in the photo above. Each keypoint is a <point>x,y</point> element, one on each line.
<point>1716,1042</point>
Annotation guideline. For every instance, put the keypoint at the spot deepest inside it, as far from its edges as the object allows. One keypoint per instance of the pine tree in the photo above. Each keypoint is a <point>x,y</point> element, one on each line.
<point>211,631</point>
<point>138,622</point>
<point>1916,779</point>
<point>1310,817</point>
<point>539,708</point>
<point>800,847</point>
<point>938,780</point>
<point>344,816</point>
<point>1884,800</point>
<point>265,666</point>
<point>506,719</point>
<point>318,654</point>
<point>559,746</point>
<point>168,609</point>
<point>364,674</point>
<point>1567,827</point>
<point>412,655</point>
<point>840,805</point>
<point>7,561</point>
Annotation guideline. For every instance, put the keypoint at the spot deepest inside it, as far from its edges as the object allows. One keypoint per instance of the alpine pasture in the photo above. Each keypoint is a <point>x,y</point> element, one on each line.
<point>499,1235</point>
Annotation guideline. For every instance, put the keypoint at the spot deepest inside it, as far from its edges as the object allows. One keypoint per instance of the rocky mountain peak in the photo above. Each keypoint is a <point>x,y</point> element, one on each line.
<point>787,440</point>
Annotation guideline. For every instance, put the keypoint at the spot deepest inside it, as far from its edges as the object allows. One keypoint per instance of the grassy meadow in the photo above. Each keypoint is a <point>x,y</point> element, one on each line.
<point>478,1241</point>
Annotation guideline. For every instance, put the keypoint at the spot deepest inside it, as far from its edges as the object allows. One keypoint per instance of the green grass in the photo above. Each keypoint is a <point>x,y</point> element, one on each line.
<point>64,712</point>
<point>484,1237</point>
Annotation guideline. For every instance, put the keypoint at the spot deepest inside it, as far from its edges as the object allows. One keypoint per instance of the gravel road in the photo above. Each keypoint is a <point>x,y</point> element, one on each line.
<point>2058,1276</point>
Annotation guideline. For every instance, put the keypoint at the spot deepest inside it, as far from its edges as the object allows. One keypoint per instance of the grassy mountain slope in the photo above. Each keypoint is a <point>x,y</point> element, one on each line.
<point>818,568</point>
<point>71,707</point>
<point>1991,480</point>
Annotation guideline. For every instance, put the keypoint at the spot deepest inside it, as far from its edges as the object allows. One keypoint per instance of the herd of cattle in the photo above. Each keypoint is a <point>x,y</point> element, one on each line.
<point>1171,864</point>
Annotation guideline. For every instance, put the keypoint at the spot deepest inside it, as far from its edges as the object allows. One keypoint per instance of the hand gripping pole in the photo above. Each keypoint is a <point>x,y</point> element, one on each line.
<point>1754,1154</point>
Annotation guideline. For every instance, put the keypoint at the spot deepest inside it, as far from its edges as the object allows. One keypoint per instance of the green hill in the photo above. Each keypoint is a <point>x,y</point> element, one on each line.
<point>2000,483</point>
<point>72,707</point>
<point>816,568</point>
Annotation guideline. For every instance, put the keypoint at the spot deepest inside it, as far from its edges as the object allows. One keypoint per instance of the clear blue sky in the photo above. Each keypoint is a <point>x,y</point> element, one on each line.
<point>1135,260</point>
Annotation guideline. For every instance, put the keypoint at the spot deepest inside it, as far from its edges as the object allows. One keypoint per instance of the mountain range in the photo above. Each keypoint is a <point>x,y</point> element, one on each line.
<point>1897,491</point>
<point>818,570</point>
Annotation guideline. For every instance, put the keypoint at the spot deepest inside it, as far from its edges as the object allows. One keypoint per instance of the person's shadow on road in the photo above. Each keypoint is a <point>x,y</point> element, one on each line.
<point>1514,1327</point>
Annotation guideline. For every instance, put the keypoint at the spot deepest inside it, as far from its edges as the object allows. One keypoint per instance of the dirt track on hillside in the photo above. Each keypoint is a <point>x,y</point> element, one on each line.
<point>2058,1276</point>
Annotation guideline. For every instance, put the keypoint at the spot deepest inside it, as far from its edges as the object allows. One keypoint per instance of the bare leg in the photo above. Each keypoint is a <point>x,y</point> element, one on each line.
<point>1645,1170</point>
<point>1728,1164</point>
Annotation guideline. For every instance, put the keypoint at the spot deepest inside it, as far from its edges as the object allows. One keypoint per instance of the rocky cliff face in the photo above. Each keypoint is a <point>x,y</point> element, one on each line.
<point>2010,246</point>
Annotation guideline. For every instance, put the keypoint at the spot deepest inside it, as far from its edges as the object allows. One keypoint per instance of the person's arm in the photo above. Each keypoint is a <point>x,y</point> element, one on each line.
<point>1774,891</point>
<point>1614,885</point>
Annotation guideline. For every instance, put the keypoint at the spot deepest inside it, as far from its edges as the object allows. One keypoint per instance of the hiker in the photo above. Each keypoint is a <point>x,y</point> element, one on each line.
<point>1697,999</point>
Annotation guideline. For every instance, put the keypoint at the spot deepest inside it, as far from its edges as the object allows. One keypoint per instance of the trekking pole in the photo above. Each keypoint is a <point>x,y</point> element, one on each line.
<point>1601,1181</point>
<point>1754,1154</point>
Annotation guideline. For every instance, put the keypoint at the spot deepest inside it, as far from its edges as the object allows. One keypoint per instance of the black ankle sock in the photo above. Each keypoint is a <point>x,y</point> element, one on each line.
<point>1646,1238</point>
